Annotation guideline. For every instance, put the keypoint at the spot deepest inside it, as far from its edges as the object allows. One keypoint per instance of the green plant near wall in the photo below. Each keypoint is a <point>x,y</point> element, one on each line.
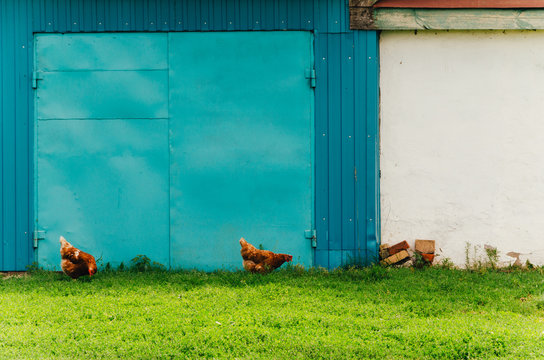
<point>142,263</point>
<point>492,257</point>
<point>475,260</point>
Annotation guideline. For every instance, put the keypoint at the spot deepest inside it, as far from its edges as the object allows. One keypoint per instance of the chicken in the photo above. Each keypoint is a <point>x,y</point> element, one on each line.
<point>261,261</point>
<point>74,262</point>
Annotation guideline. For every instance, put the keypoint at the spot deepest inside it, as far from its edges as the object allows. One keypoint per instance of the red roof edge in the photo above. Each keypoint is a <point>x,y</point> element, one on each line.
<point>461,4</point>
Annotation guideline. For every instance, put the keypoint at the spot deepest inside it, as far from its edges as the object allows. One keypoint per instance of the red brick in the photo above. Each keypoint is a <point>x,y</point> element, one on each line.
<point>398,247</point>
<point>428,257</point>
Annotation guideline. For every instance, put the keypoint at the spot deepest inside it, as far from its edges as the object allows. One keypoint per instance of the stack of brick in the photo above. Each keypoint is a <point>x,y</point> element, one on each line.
<point>426,249</point>
<point>394,255</point>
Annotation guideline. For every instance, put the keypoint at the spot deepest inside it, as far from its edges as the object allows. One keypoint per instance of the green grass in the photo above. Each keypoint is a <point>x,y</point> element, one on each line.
<point>372,313</point>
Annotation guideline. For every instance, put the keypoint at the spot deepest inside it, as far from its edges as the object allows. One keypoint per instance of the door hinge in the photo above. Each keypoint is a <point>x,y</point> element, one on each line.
<point>37,235</point>
<point>312,235</point>
<point>310,74</point>
<point>35,77</point>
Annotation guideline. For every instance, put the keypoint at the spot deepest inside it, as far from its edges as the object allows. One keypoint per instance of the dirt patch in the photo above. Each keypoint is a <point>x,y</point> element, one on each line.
<point>13,274</point>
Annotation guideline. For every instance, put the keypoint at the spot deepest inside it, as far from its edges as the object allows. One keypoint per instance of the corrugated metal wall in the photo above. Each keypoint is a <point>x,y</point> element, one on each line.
<point>15,134</point>
<point>346,148</point>
<point>346,214</point>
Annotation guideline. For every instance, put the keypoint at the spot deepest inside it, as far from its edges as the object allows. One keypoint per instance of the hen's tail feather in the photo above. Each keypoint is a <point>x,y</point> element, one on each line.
<point>63,241</point>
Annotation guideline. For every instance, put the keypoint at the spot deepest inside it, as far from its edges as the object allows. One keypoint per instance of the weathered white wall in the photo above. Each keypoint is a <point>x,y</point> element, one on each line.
<point>462,140</point>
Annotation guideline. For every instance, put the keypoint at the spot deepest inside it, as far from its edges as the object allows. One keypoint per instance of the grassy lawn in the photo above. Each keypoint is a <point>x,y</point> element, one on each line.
<point>373,313</point>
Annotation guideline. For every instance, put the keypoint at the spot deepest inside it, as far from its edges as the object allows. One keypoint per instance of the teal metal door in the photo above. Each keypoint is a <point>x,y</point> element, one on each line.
<point>102,145</point>
<point>174,145</point>
<point>241,118</point>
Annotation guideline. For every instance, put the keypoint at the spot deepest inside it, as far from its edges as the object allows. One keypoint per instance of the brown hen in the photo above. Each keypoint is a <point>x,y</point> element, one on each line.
<point>74,262</point>
<point>261,261</point>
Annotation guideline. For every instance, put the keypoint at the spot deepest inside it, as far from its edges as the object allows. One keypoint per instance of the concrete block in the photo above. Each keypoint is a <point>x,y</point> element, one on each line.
<point>425,246</point>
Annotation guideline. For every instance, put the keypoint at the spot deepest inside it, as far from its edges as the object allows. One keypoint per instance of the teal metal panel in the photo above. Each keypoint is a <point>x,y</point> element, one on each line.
<point>7,132</point>
<point>322,257</point>
<point>372,159</point>
<point>109,52</point>
<point>334,72</point>
<point>189,15</point>
<point>348,142</point>
<point>103,184</point>
<point>322,150</point>
<point>15,141</point>
<point>23,140</point>
<point>241,140</point>
<point>347,202</point>
<point>335,259</point>
<point>103,95</point>
<point>102,158</point>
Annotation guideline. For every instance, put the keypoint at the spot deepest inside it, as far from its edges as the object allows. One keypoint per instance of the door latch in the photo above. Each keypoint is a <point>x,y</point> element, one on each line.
<point>37,235</point>
<point>310,74</point>
<point>35,77</point>
<point>312,235</point>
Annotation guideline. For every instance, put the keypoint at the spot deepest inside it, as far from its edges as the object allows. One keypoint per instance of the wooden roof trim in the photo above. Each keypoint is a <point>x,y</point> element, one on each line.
<point>446,14</point>
<point>460,4</point>
<point>446,19</point>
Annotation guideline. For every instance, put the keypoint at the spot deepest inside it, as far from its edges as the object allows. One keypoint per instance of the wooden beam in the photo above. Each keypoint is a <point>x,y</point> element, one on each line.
<point>446,19</point>
<point>361,18</point>
<point>360,13</point>
<point>462,4</point>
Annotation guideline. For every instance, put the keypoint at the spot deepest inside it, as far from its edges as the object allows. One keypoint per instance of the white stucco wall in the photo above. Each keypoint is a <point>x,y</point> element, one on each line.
<point>462,140</point>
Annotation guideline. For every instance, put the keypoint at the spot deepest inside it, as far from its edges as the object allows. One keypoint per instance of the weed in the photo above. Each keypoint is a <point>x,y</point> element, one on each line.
<point>446,263</point>
<point>468,264</point>
<point>492,257</point>
<point>100,262</point>
<point>295,269</point>
<point>477,262</point>
<point>107,268</point>
<point>33,267</point>
<point>142,263</point>
<point>157,266</point>
<point>473,261</point>
<point>418,261</point>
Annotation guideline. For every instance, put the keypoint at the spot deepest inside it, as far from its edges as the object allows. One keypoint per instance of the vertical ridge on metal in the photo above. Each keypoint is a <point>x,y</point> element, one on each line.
<point>15,130</point>
<point>346,103</point>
